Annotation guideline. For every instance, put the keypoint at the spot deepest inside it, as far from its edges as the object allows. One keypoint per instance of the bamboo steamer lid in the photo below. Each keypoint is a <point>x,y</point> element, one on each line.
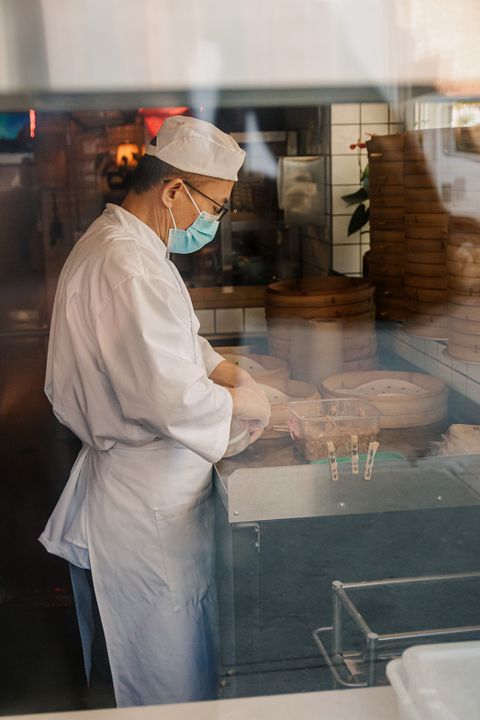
<point>420,180</point>
<point>384,213</point>
<point>425,246</point>
<point>467,269</point>
<point>431,220</point>
<point>426,233</point>
<point>463,239</point>
<point>427,283</point>
<point>468,285</point>
<point>424,206</point>
<point>465,340</point>
<point>464,353</point>
<point>425,270</point>
<point>387,235</point>
<point>464,224</point>
<point>421,195</point>
<point>421,295</point>
<point>426,258</point>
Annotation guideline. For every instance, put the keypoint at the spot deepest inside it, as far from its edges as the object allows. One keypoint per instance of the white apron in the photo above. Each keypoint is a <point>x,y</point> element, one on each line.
<point>137,508</point>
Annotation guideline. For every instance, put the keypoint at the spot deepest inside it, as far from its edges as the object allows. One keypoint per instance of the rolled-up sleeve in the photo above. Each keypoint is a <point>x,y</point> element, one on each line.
<point>147,349</point>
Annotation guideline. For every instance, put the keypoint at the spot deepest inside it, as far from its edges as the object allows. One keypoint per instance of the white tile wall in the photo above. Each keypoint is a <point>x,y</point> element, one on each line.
<point>229,320</point>
<point>374,113</point>
<point>349,122</point>
<point>255,320</point>
<point>207,321</point>
<point>346,258</point>
<point>345,113</point>
<point>340,231</point>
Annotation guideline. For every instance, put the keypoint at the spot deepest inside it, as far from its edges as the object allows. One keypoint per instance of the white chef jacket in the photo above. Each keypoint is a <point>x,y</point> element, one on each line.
<point>126,366</point>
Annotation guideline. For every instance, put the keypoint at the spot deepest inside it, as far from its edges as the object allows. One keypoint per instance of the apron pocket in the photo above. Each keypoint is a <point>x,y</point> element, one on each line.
<point>186,534</point>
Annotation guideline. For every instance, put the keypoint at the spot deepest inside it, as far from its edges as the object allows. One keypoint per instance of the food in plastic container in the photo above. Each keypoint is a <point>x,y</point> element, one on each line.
<point>313,424</point>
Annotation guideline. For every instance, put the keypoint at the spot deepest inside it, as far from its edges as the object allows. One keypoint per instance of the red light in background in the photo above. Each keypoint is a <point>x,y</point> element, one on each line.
<point>33,122</point>
<point>155,117</point>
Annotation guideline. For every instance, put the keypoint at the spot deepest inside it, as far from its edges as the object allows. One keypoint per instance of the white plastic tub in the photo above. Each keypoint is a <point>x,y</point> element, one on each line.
<point>438,682</point>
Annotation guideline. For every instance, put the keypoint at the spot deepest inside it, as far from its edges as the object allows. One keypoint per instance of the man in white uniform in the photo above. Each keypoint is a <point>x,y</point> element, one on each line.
<point>152,403</point>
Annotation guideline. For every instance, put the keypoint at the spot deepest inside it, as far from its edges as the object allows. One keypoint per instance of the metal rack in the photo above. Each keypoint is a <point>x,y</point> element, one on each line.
<point>345,665</point>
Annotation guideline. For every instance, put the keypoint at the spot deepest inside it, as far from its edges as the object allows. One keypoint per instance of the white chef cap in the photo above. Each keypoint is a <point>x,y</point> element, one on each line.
<point>198,147</point>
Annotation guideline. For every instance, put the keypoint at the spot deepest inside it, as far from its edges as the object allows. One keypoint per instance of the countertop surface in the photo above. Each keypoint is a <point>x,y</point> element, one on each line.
<point>366,704</point>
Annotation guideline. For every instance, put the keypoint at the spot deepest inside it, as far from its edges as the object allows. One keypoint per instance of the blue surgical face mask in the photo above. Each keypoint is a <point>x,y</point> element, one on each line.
<point>197,235</point>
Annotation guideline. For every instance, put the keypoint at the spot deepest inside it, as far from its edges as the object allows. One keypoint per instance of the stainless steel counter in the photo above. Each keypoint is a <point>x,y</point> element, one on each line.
<point>271,481</point>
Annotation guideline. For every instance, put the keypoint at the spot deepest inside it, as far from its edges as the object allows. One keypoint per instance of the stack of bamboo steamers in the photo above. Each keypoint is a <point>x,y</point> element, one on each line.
<point>387,227</point>
<point>328,317</point>
<point>426,233</point>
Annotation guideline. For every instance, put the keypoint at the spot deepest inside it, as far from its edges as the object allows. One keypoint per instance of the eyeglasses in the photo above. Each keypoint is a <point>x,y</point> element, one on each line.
<point>223,208</point>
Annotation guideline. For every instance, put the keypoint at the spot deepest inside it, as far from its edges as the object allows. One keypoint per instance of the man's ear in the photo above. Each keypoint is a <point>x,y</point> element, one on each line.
<point>170,190</point>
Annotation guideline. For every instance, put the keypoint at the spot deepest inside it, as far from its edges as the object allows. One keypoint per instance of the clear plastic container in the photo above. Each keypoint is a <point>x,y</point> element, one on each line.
<point>313,423</point>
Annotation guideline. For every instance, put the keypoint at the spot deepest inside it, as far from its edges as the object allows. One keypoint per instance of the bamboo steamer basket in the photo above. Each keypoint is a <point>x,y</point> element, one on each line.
<point>386,144</point>
<point>386,269</point>
<point>467,354</point>
<point>311,312</point>
<point>383,192</point>
<point>295,390</point>
<point>401,405</point>
<point>468,327</point>
<point>463,254</point>
<point>385,214</point>
<point>421,195</point>
<point>416,245</point>
<point>426,258</point>
<point>420,180</point>
<point>423,166</point>
<point>391,283</point>
<point>427,308</point>
<point>426,330</point>
<point>464,312</point>
<point>426,233</point>
<point>424,270</point>
<point>463,339</point>
<point>380,176</point>
<point>368,350</point>
<point>274,373</point>
<point>466,269</point>
<point>430,220</point>
<point>464,239</point>
<point>387,201</point>
<point>426,283</point>
<point>393,293</point>
<point>462,300</point>
<point>467,285</point>
<point>464,224</point>
<point>365,364</point>
<point>387,167</point>
<point>387,235</point>
<point>425,206</point>
<point>428,296</point>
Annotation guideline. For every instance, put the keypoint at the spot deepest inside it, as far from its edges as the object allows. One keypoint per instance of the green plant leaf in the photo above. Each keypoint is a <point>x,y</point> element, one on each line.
<point>358,220</point>
<point>365,173</point>
<point>356,197</point>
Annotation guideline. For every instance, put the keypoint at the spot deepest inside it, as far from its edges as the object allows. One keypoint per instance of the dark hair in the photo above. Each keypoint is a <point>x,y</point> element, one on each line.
<point>151,171</point>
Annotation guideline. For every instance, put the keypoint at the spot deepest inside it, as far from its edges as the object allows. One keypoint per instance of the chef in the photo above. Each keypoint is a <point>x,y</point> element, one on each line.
<point>152,403</point>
